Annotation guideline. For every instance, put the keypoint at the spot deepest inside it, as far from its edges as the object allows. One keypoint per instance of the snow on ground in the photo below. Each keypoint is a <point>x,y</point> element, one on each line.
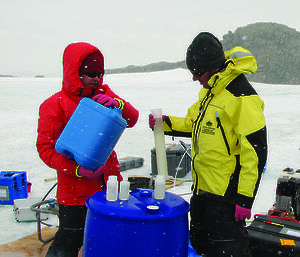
<point>173,91</point>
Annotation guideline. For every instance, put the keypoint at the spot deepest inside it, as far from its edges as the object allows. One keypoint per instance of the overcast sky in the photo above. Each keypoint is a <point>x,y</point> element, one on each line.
<point>34,33</point>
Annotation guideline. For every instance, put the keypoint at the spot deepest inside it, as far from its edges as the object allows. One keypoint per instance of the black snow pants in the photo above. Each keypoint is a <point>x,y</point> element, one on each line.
<point>69,238</point>
<point>213,229</point>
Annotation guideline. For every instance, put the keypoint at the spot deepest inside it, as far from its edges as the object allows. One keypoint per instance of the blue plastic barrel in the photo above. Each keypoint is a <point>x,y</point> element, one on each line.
<point>192,252</point>
<point>91,134</point>
<point>141,226</point>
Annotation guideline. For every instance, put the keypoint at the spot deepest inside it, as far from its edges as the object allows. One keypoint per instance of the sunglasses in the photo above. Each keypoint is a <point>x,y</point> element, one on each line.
<point>93,74</point>
<point>199,74</point>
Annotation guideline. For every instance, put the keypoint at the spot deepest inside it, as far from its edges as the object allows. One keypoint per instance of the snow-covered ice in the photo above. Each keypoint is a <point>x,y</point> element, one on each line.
<point>173,91</point>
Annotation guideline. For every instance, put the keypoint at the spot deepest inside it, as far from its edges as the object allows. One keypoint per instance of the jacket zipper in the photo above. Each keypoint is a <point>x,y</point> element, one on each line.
<point>202,109</point>
<point>195,187</point>
<point>223,133</point>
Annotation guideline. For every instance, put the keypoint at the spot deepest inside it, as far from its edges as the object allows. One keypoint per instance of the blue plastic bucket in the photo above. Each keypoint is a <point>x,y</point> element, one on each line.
<point>141,226</point>
<point>91,134</point>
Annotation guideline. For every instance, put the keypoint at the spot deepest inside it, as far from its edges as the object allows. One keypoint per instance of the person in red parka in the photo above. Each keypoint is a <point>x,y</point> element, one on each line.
<point>83,70</point>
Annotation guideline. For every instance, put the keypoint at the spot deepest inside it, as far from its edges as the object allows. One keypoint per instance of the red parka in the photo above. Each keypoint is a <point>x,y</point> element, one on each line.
<point>54,114</point>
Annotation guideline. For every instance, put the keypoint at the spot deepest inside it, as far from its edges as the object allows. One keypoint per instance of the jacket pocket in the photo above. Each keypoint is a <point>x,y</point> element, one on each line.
<point>223,133</point>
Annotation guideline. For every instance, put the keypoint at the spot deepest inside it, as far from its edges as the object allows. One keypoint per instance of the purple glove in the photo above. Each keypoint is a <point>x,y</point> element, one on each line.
<point>242,213</point>
<point>152,120</point>
<point>106,100</point>
<point>83,172</point>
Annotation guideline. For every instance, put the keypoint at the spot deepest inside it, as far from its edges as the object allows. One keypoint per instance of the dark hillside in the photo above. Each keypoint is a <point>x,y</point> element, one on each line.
<point>275,46</point>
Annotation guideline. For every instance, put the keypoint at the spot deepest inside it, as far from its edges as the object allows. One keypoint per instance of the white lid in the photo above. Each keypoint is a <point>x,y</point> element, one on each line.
<point>113,178</point>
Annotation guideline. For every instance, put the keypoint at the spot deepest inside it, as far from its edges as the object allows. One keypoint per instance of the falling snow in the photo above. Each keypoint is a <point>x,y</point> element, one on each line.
<point>173,91</point>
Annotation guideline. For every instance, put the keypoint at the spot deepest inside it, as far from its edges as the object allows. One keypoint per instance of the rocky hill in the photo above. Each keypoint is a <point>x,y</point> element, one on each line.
<point>275,46</point>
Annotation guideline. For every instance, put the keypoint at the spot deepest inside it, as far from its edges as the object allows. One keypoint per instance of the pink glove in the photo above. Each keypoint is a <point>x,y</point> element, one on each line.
<point>106,100</point>
<point>83,172</point>
<point>242,213</point>
<point>152,120</point>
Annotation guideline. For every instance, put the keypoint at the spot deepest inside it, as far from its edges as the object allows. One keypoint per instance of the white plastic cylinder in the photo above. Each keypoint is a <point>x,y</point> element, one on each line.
<point>160,187</point>
<point>124,190</point>
<point>160,146</point>
<point>112,188</point>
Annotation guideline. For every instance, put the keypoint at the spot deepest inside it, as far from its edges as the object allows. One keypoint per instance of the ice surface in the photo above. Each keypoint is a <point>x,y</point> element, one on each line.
<point>173,91</point>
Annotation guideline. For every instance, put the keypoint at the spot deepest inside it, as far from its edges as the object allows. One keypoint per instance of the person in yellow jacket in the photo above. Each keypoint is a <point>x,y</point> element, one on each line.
<point>229,146</point>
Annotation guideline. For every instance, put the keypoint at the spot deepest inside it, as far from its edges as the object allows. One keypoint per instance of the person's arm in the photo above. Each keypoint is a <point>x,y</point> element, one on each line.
<point>180,126</point>
<point>129,113</point>
<point>252,135</point>
<point>50,126</point>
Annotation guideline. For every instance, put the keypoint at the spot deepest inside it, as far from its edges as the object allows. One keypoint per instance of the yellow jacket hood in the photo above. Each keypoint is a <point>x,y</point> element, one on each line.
<point>238,60</point>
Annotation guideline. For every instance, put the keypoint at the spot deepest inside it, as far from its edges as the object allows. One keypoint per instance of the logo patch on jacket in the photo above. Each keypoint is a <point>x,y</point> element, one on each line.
<point>208,128</point>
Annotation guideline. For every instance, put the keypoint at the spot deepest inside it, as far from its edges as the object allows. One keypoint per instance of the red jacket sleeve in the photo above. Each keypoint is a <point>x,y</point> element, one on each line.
<point>129,113</point>
<point>50,125</point>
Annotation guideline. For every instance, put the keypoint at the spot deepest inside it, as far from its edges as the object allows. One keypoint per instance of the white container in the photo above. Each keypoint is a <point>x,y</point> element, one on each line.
<point>160,187</point>
<point>124,190</point>
<point>159,140</point>
<point>23,212</point>
<point>112,188</point>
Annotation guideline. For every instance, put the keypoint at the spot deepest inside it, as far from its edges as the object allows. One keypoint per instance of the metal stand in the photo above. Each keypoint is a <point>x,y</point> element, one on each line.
<point>48,207</point>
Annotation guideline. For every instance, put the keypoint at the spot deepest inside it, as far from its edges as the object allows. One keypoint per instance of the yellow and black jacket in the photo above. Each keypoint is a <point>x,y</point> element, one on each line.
<point>228,131</point>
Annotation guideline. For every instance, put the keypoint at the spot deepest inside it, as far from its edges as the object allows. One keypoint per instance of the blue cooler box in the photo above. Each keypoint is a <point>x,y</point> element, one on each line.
<point>141,226</point>
<point>13,185</point>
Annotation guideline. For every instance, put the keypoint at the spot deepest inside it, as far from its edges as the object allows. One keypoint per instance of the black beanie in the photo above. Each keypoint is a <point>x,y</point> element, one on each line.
<point>205,53</point>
